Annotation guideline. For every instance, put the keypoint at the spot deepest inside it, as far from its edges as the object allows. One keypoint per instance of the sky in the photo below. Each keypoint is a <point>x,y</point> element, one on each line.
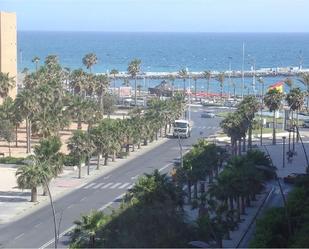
<point>161,15</point>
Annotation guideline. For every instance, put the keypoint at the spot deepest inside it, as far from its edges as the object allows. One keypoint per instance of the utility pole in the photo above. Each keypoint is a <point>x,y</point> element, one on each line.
<point>243,71</point>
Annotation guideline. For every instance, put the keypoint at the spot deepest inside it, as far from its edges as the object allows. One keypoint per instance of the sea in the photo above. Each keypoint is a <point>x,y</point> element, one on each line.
<point>170,52</point>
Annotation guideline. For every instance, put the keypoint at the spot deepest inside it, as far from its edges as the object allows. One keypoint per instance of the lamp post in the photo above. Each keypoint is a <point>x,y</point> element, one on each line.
<point>283,151</point>
<point>180,150</point>
<point>261,80</point>
<point>230,72</point>
<point>189,108</point>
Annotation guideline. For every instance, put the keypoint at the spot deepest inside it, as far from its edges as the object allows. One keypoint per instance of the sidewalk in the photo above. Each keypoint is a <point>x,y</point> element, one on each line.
<point>15,203</point>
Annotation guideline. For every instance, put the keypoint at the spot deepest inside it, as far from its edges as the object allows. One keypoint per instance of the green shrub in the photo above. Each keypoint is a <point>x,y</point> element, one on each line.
<point>13,160</point>
<point>69,160</point>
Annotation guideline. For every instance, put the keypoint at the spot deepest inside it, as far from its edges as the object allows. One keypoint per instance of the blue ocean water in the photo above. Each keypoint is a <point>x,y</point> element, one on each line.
<point>166,52</point>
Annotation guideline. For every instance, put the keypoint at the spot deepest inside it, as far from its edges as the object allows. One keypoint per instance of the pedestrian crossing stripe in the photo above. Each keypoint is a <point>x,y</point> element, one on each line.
<point>116,185</point>
<point>90,185</point>
<point>107,185</point>
<point>124,185</point>
<point>98,185</point>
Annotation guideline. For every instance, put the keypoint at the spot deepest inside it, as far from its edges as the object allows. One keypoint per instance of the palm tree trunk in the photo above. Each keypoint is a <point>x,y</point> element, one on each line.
<point>102,104</point>
<point>98,161</point>
<point>238,208</point>
<point>28,134</point>
<point>133,147</point>
<point>9,149</point>
<point>106,159</point>
<point>297,122</point>
<point>250,137</point>
<point>79,124</point>
<point>145,141</point>
<point>244,144</point>
<point>274,128</point>
<point>195,190</point>
<point>135,88</point>
<point>16,135</point>
<point>189,191</point>
<point>34,194</point>
<point>80,170</point>
<point>243,209</point>
<point>239,147</point>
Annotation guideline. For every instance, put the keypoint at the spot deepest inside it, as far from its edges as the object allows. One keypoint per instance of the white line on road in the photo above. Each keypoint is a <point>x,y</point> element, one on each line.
<point>116,185</point>
<point>131,186</point>
<point>71,227</point>
<point>166,166</point>
<point>98,185</point>
<point>38,224</point>
<point>70,206</point>
<point>83,199</point>
<point>106,177</point>
<point>89,185</point>
<point>134,177</point>
<point>124,185</point>
<point>107,185</point>
<point>19,236</point>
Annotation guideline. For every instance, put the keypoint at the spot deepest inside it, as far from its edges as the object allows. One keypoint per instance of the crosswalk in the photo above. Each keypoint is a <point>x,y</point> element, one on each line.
<point>109,185</point>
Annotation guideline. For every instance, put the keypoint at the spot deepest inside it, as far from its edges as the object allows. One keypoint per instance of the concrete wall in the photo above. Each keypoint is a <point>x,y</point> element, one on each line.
<point>8,47</point>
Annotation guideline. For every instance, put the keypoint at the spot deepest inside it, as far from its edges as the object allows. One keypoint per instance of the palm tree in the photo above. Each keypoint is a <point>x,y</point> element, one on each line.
<point>26,104</point>
<point>7,132</point>
<point>295,99</point>
<point>220,78</point>
<point>79,148</point>
<point>36,61</point>
<point>183,74</point>
<point>86,230</point>
<point>261,81</point>
<point>114,72</point>
<point>6,83</point>
<point>273,100</point>
<point>134,69</point>
<point>89,60</point>
<point>305,81</point>
<point>207,76</point>
<point>195,80</point>
<point>102,83</point>
<point>30,177</point>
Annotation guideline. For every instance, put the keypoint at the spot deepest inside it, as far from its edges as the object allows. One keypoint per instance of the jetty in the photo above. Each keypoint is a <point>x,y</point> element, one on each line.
<point>263,72</point>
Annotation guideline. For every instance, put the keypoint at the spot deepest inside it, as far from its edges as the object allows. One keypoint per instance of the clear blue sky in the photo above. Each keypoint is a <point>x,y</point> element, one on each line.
<point>161,15</point>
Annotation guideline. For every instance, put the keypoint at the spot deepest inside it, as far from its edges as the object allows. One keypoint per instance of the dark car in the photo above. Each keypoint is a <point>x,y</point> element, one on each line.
<point>208,115</point>
<point>293,178</point>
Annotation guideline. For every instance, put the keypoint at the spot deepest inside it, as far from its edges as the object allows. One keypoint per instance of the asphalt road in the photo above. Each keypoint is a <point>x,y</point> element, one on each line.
<point>36,229</point>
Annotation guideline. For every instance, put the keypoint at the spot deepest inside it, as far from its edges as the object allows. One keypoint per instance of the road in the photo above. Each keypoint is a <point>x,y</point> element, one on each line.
<point>36,229</point>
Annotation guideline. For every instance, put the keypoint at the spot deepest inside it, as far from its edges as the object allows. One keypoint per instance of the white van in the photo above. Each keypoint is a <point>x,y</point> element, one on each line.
<point>182,128</point>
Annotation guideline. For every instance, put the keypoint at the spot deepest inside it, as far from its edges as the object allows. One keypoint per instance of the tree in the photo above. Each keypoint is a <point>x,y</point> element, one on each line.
<point>7,132</point>
<point>87,228</point>
<point>79,148</point>
<point>273,100</point>
<point>89,60</point>
<point>183,74</point>
<point>304,79</point>
<point>6,83</point>
<point>30,177</point>
<point>36,61</point>
<point>207,76</point>
<point>220,78</point>
<point>295,99</point>
<point>25,103</point>
<point>114,72</point>
<point>134,69</point>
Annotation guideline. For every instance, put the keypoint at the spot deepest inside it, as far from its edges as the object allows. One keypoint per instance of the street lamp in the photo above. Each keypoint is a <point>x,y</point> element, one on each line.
<point>189,108</point>
<point>283,151</point>
<point>230,72</point>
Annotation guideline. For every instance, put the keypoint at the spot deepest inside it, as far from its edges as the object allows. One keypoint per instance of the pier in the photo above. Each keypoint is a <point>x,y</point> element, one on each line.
<point>263,72</point>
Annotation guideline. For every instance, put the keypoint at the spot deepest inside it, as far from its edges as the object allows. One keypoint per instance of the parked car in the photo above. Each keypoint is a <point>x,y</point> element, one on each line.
<point>306,124</point>
<point>293,178</point>
<point>208,115</point>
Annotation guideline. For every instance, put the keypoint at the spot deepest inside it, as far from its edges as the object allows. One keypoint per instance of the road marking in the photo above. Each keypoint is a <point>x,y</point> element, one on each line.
<point>107,177</point>
<point>131,186</point>
<point>89,185</point>
<point>71,227</point>
<point>166,166</point>
<point>107,185</point>
<point>98,185</point>
<point>134,177</point>
<point>124,185</point>
<point>70,206</point>
<point>115,185</point>
<point>83,199</point>
<point>19,236</point>
<point>38,224</point>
